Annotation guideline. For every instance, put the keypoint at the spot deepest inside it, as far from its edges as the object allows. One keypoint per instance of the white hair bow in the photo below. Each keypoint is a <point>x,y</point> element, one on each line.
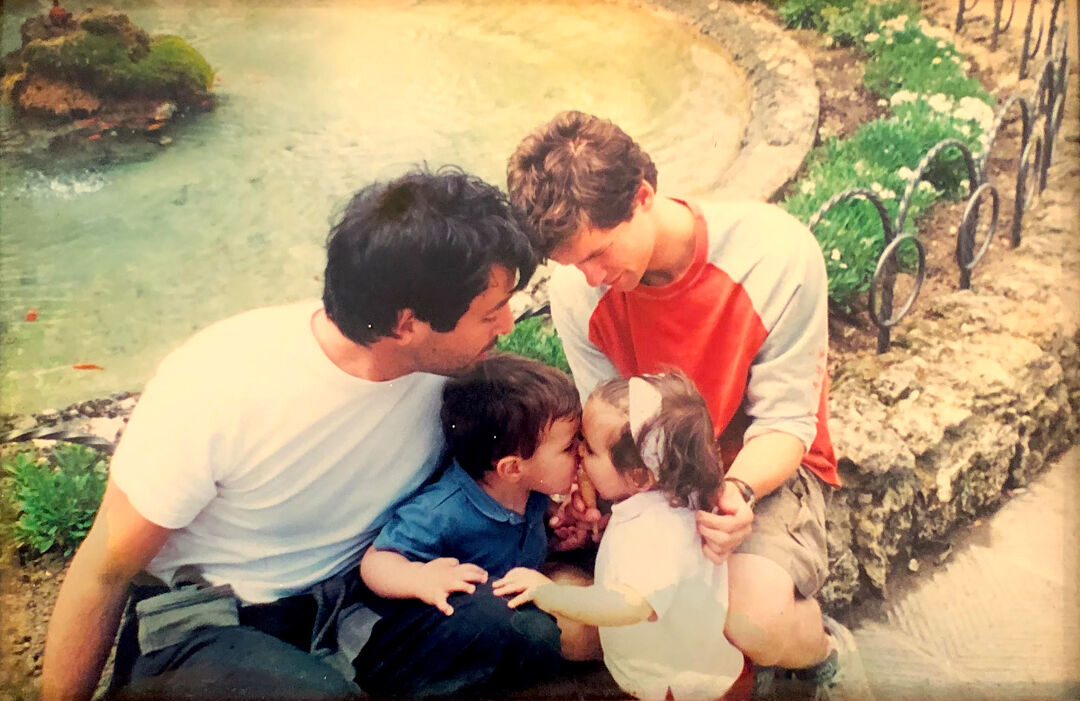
<point>645,401</point>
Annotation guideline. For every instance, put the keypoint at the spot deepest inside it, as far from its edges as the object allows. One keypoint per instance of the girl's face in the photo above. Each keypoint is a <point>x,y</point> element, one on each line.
<point>600,426</point>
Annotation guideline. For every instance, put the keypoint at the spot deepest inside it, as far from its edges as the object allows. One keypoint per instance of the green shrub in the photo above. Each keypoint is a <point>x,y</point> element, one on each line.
<point>55,498</point>
<point>881,156</point>
<point>917,57</point>
<point>535,338</point>
<point>845,21</point>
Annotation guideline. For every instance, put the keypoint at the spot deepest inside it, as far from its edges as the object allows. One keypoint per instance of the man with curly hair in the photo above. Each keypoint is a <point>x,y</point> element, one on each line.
<point>734,295</point>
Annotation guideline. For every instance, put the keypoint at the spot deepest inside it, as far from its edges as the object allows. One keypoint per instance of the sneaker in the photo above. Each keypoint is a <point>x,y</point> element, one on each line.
<point>848,680</point>
<point>839,676</point>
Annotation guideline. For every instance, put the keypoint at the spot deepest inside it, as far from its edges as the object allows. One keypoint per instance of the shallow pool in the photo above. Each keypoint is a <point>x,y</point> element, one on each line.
<point>122,262</point>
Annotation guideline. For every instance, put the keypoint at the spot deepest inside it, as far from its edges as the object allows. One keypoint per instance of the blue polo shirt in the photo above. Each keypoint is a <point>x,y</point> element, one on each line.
<point>455,517</point>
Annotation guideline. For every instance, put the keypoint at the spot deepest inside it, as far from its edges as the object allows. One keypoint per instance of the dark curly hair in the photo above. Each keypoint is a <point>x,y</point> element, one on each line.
<point>576,170</point>
<point>424,241</point>
<point>502,406</point>
<point>690,466</point>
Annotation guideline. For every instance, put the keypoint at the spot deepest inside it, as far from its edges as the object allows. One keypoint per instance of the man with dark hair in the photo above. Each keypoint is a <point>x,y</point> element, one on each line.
<point>734,295</point>
<point>268,450</point>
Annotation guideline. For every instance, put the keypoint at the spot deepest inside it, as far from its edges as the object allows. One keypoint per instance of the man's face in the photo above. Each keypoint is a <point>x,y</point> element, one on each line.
<point>617,257</point>
<point>474,335</point>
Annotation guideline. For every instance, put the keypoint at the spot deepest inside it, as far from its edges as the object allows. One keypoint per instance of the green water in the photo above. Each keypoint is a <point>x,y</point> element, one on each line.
<point>122,262</point>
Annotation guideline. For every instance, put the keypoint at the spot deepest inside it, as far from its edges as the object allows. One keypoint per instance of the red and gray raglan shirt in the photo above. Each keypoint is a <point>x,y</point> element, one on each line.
<point>747,322</point>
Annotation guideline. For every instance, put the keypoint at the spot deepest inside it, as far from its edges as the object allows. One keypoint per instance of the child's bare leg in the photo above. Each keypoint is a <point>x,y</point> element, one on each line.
<point>580,642</point>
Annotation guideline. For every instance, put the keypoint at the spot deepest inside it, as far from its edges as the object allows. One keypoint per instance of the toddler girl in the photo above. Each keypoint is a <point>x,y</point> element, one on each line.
<point>661,606</point>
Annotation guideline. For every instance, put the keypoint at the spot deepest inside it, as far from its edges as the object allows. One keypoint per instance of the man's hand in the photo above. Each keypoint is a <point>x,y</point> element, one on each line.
<point>520,581</point>
<point>575,522</point>
<point>725,531</point>
<point>442,577</point>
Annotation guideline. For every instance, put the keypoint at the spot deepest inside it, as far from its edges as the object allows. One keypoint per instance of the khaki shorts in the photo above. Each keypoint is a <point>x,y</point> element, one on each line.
<point>789,529</point>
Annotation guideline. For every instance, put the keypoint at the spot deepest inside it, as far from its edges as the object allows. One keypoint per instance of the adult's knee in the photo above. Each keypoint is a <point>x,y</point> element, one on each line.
<point>758,637</point>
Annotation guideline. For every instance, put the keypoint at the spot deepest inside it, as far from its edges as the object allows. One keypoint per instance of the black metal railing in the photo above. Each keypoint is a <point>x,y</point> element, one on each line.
<point>1046,109</point>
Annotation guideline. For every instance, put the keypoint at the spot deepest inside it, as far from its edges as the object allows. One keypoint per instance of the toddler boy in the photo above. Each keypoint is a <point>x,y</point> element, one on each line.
<point>511,427</point>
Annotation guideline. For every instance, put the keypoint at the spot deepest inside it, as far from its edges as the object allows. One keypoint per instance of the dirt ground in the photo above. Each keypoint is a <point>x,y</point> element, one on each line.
<point>28,590</point>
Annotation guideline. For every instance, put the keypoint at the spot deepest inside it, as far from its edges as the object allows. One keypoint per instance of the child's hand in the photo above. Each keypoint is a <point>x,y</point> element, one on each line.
<point>444,576</point>
<point>521,581</point>
<point>575,520</point>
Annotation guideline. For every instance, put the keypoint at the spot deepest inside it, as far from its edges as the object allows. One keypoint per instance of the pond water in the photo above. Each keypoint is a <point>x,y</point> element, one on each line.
<point>124,261</point>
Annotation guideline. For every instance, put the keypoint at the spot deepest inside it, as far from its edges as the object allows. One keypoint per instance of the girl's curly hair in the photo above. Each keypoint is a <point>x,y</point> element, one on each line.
<point>690,466</point>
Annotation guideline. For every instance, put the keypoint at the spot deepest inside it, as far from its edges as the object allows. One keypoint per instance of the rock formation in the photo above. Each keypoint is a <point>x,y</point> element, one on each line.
<point>99,72</point>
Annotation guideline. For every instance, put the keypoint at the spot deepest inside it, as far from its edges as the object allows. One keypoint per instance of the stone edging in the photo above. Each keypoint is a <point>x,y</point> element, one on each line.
<point>784,100</point>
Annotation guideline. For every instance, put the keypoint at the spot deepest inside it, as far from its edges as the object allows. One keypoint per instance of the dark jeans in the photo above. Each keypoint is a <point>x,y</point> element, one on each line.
<point>414,650</point>
<point>484,647</point>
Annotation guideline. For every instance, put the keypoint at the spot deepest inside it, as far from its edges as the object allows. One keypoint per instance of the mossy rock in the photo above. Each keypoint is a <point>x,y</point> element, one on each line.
<point>102,64</point>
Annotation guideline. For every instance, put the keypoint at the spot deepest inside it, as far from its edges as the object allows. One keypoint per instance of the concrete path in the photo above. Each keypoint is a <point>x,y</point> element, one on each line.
<point>999,618</point>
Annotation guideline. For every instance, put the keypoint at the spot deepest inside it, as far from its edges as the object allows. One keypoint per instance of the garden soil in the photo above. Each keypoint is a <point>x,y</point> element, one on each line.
<point>28,590</point>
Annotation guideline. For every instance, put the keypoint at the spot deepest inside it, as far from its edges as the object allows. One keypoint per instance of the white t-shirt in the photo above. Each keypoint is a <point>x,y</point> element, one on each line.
<point>654,549</point>
<point>276,467</point>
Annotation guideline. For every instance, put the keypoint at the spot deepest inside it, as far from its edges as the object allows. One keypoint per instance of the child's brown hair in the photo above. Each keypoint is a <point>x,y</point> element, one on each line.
<point>690,469</point>
<point>502,406</point>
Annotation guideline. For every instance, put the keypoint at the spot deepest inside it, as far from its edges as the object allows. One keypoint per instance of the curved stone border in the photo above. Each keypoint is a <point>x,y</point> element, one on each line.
<point>784,101</point>
<point>784,108</point>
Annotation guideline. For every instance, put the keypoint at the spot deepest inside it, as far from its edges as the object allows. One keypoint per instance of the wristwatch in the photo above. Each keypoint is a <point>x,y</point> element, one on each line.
<point>745,490</point>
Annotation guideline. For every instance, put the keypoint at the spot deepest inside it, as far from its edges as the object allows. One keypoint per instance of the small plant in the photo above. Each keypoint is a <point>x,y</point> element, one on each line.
<point>54,498</point>
<point>535,338</point>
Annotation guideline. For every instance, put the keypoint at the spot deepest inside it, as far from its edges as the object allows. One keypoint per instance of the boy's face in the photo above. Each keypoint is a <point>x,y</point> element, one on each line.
<point>487,317</point>
<point>600,424</point>
<point>617,257</point>
<point>553,465</point>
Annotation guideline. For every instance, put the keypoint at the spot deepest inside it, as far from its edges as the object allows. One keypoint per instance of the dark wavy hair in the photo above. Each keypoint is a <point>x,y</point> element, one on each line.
<point>425,241</point>
<point>576,170</point>
<point>502,406</point>
<point>690,466</point>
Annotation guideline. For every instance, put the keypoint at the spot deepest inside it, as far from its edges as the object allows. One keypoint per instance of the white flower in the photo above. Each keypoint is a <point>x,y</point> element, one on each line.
<point>859,166</point>
<point>889,40</point>
<point>871,37</point>
<point>940,102</point>
<point>808,187</point>
<point>901,20</point>
<point>876,187</point>
<point>941,44</point>
<point>964,185</point>
<point>966,65</point>
<point>883,102</point>
<point>925,186</point>
<point>887,194</point>
<point>828,41</point>
<point>953,229</point>
<point>974,109</point>
<point>835,254</point>
<point>918,40</point>
<point>901,96</point>
<point>905,173</point>
<point>842,266</point>
<point>936,61</point>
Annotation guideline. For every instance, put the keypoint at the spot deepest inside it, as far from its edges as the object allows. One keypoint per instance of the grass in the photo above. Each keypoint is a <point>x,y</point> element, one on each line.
<point>914,68</point>
<point>535,338</point>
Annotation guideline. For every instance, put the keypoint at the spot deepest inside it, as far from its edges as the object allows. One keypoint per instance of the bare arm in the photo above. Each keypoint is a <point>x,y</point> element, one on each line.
<point>593,605</point>
<point>393,576</point>
<point>765,462</point>
<point>84,621</point>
